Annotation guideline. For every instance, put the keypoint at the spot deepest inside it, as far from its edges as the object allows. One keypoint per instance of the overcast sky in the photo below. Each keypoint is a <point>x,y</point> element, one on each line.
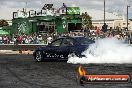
<point>119,6</point>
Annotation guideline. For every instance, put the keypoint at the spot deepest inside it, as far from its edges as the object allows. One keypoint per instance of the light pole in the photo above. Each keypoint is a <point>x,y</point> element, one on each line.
<point>104,11</point>
<point>127,16</point>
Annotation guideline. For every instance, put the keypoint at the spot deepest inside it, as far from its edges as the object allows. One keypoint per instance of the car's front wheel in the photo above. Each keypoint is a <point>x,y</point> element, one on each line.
<point>39,56</point>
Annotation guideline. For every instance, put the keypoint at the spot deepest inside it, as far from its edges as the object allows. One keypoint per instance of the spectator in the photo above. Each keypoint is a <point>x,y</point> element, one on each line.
<point>97,31</point>
<point>49,39</point>
<point>104,27</point>
<point>27,41</point>
<point>39,38</point>
<point>5,39</point>
<point>1,41</point>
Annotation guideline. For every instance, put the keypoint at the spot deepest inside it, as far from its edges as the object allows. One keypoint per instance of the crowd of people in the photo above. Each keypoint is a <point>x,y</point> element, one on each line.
<point>119,34</point>
<point>23,39</point>
<point>47,38</point>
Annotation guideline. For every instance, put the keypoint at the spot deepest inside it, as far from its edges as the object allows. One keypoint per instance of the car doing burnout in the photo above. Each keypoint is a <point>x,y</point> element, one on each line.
<point>60,48</point>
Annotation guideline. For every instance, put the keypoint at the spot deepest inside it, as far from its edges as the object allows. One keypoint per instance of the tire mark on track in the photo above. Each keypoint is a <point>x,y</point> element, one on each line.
<point>56,71</point>
<point>24,81</point>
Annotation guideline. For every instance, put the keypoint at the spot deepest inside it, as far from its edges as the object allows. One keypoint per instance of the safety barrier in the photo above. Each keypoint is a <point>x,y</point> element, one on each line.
<point>20,46</point>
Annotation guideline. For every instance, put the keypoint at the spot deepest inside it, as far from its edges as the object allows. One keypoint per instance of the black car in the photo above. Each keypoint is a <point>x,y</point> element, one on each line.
<point>60,48</point>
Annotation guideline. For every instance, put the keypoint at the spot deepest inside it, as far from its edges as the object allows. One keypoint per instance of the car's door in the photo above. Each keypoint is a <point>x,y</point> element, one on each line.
<point>51,51</point>
<point>65,48</point>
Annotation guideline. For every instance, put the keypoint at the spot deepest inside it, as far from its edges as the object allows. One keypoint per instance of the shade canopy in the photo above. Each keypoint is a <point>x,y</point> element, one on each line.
<point>2,32</point>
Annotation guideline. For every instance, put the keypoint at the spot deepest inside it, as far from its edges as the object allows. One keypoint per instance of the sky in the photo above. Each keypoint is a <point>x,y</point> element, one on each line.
<point>119,6</point>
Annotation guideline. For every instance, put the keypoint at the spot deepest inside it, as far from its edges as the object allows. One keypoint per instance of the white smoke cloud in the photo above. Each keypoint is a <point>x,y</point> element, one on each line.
<point>108,50</point>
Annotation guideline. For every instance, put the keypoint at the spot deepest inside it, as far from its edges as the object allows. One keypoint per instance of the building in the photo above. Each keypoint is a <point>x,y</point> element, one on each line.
<point>112,19</point>
<point>46,20</point>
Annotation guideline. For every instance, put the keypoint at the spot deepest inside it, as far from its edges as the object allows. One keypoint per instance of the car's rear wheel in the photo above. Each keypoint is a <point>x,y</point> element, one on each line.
<point>39,56</point>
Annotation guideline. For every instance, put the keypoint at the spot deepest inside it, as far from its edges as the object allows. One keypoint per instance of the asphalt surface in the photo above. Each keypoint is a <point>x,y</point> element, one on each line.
<point>21,71</point>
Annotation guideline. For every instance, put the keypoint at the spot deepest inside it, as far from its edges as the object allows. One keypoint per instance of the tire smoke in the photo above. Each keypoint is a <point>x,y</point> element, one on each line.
<point>108,50</point>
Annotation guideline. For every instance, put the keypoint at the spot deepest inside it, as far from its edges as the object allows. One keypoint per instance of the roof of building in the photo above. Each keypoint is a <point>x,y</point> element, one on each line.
<point>99,15</point>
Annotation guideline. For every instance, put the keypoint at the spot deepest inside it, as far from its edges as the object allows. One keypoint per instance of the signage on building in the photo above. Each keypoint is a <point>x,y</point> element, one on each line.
<point>32,13</point>
<point>22,27</point>
<point>64,24</point>
<point>15,15</point>
<point>73,10</point>
<point>47,6</point>
<point>63,11</point>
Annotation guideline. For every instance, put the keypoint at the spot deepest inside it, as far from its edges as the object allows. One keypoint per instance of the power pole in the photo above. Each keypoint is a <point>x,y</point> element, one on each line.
<point>104,11</point>
<point>127,16</point>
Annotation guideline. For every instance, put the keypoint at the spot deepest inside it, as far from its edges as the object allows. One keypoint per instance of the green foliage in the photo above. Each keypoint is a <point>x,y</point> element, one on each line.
<point>3,23</point>
<point>86,20</point>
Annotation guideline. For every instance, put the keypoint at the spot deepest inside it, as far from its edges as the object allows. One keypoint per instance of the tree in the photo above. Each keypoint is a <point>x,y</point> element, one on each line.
<point>86,20</point>
<point>3,23</point>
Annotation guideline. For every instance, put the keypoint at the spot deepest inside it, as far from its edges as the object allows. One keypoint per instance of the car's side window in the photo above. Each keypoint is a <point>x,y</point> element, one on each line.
<point>86,41</point>
<point>67,42</point>
<point>56,43</point>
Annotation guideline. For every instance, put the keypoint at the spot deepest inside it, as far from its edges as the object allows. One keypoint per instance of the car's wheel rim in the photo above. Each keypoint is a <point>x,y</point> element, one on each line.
<point>38,56</point>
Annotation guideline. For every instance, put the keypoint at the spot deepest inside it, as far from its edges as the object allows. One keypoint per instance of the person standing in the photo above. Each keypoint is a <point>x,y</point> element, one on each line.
<point>49,39</point>
<point>97,31</point>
